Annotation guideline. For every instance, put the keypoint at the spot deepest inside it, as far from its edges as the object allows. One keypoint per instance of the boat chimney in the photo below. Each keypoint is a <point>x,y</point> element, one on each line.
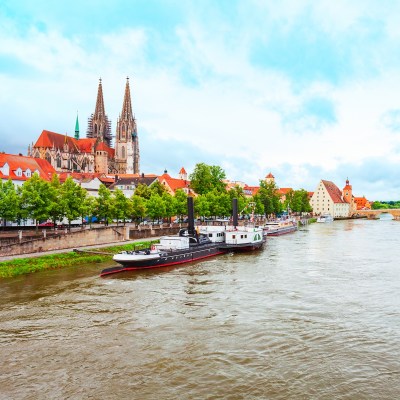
<point>235,212</point>
<point>190,207</point>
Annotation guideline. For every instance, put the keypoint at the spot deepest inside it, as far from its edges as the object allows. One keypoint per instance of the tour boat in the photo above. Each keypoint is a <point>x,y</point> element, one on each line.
<point>325,218</point>
<point>234,237</point>
<point>280,227</point>
<point>189,245</point>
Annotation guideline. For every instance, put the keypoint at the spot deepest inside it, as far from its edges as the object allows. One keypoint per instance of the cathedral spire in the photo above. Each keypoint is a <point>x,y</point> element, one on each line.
<point>127,105</point>
<point>77,127</point>
<point>126,138</point>
<point>99,126</point>
<point>99,111</point>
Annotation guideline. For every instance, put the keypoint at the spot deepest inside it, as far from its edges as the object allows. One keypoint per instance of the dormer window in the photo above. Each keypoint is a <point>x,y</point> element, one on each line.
<point>18,172</point>
<point>28,173</point>
<point>37,172</point>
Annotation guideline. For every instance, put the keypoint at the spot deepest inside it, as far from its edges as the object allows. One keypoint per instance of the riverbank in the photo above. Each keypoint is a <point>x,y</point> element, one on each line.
<point>17,266</point>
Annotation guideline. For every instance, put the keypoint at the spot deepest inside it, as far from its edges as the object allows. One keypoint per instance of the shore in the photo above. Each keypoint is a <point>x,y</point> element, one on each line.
<point>12,266</point>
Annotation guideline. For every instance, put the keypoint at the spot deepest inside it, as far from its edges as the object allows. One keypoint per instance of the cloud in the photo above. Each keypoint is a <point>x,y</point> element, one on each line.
<point>302,89</point>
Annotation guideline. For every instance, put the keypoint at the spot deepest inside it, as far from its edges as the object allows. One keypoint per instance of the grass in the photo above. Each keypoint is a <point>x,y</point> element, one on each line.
<point>22,266</point>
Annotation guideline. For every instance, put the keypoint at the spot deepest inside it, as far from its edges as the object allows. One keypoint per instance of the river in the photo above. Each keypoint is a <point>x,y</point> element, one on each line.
<point>314,315</point>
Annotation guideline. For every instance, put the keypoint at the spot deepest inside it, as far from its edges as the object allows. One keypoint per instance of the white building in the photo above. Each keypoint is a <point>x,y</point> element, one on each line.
<point>328,199</point>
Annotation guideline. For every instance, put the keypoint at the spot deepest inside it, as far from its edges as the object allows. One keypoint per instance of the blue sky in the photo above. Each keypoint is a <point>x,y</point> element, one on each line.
<point>306,90</point>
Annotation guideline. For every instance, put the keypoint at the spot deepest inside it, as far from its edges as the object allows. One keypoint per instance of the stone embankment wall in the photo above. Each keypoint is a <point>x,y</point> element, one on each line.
<point>81,238</point>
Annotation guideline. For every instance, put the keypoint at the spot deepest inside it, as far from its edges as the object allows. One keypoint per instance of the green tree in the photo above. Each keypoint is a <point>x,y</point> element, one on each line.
<point>143,190</point>
<point>206,178</point>
<point>35,195</point>
<point>170,205</point>
<point>180,203</point>
<point>104,204</point>
<point>138,207</point>
<point>270,197</point>
<point>156,208</point>
<point>201,206</point>
<point>122,206</point>
<point>88,208</point>
<point>158,188</point>
<point>73,199</point>
<point>9,201</point>
<point>56,204</point>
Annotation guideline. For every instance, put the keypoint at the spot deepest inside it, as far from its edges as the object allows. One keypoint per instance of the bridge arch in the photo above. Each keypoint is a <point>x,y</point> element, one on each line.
<point>375,214</point>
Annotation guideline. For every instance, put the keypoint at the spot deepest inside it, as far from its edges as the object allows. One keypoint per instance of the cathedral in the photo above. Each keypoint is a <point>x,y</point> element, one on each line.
<point>94,154</point>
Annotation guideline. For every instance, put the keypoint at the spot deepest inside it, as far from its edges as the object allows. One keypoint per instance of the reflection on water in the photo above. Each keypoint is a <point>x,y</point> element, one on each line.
<point>313,315</point>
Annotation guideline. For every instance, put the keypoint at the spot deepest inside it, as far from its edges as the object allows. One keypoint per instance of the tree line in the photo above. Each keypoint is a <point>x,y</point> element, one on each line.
<point>42,200</point>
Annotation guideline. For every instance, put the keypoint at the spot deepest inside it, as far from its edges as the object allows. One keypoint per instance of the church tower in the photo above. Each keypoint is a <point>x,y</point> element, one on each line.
<point>126,138</point>
<point>348,192</point>
<point>99,126</point>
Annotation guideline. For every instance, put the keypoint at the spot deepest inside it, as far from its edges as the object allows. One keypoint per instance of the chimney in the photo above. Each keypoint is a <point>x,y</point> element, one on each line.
<point>190,207</point>
<point>235,212</point>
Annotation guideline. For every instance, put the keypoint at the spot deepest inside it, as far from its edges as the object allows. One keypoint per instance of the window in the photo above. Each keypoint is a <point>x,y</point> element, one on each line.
<point>18,172</point>
<point>28,173</point>
<point>123,152</point>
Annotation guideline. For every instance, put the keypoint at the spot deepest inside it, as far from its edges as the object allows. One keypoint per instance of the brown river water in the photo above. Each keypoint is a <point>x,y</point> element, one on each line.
<point>314,315</point>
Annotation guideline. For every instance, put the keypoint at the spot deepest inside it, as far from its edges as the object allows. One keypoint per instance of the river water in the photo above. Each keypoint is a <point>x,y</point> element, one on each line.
<point>314,315</point>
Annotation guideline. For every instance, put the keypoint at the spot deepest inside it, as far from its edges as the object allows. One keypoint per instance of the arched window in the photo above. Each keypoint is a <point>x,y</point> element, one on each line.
<point>58,161</point>
<point>48,158</point>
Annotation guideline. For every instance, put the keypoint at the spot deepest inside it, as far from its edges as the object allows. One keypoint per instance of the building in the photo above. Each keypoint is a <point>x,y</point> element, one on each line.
<point>173,184</point>
<point>329,199</point>
<point>20,168</point>
<point>94,154</point>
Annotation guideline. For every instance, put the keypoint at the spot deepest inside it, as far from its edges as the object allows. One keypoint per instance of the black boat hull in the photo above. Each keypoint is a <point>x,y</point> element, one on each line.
<point>167,259</point>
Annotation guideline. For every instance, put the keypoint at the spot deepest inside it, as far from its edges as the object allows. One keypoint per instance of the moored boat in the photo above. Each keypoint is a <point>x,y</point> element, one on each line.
<point>234,237</point>
<point>280,227</point>
<point>325,218</point>
<point>189,245</point>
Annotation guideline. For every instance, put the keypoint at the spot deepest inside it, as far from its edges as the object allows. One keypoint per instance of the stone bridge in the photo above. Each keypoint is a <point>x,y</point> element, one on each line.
<point>375,214</point>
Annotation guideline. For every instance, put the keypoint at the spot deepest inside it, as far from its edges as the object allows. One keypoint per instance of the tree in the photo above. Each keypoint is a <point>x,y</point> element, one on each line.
<point>143,190</point>
<point>180,203</point>
<point>72,198</point>
<point>156,208</point>
<point>138,207</point>
<point>206,178</point>
<point>270,197</point>
<point>158,188</point>
<point>170,205</point>
<point>201,206</point>
<point>8,201</point>
<point>56,205</point>
<point>88,208</point>
<point>122,206</point>
<point>104,204</point>
<point>35,193</point>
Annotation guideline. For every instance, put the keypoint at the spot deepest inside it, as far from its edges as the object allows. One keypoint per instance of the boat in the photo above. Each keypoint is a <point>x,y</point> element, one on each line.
<point>189,245</point>
<point>234,237</point>
<point>325,218</point>
<point>280,227</point>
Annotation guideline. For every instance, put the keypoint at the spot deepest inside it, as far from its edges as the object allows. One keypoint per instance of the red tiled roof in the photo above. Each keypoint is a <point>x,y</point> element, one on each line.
<point>182,171</point>
<point>14,162</point>
<point>86,145</point>
<point>334,192</point>
<point>50,139</point>
<point>251,189</point>
<point>284,190</point>
<point>174,183</point>
<point>103,147</point>
<point>270,176</point>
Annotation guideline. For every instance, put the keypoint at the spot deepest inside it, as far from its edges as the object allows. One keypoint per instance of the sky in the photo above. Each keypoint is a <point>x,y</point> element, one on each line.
<point>303,89</point>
